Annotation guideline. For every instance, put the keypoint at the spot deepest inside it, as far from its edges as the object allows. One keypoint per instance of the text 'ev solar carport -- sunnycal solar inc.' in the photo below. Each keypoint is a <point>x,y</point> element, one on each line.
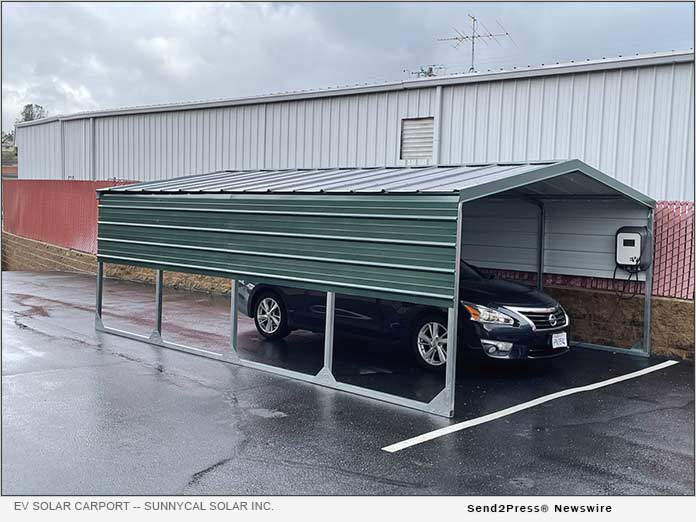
<point>388,233</point>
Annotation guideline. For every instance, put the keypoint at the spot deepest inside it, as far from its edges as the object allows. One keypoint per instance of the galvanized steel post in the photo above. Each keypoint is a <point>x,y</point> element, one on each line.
<point>159,279</point>
<point>443,404</point>
<point>100,290</point>
<point>329,332</point>
<point>232,353</point>
<point>453,318</point>
<point>451,365</point>
<point>541,246</point>
<point>645,345</point>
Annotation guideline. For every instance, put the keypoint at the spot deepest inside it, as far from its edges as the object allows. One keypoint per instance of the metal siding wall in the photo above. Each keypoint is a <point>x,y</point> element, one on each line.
<point>359,130</point>
<point>633,124</point>
<point>394,247</point>
<point>579,238</point>
<point>39,152</point>
<point>77,142</point>
<point>500,234</point>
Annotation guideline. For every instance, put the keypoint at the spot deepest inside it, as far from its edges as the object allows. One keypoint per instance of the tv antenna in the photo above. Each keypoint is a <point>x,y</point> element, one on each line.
<point>426,71</point>
<point>475,35</point>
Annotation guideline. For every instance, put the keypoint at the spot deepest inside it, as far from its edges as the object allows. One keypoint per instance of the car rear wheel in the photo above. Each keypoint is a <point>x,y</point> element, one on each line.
<point>429,342</point>
<point>270,316</point>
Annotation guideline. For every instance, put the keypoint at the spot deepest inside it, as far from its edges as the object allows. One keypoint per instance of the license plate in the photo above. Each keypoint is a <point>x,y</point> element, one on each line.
<point>559,340</point>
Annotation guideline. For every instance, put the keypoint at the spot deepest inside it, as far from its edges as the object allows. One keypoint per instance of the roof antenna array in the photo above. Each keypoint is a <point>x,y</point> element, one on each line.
<point>475,35</point>
<point>426,71</point>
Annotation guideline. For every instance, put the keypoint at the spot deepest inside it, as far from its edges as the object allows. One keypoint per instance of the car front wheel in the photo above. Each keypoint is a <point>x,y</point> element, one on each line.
<point>429,342</point>
<point>270,316</point>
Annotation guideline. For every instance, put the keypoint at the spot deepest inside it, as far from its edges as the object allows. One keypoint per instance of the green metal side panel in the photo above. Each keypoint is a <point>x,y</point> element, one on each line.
<point>389,246</point>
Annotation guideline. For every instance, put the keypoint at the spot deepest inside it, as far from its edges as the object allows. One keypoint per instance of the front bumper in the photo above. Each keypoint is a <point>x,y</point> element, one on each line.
<point>526,342</point>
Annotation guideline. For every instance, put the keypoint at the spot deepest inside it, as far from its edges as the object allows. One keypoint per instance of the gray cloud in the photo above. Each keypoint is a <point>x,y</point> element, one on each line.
<point>74,57</point>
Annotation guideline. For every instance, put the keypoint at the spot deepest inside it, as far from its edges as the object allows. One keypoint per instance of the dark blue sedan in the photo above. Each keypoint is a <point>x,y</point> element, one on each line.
<point>504,319</point>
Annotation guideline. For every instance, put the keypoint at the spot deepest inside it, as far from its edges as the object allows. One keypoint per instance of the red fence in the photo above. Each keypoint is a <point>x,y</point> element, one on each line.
<point>673,272</point>
<point>65,213</point>
<point>62,213</point>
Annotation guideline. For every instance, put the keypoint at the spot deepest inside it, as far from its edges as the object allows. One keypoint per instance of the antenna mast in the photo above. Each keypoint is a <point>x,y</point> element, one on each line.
<point>461,38</point>
<point>473,41</point>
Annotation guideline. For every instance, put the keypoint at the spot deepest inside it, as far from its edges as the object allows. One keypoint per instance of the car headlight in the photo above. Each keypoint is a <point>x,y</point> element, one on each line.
<point>483,314</point>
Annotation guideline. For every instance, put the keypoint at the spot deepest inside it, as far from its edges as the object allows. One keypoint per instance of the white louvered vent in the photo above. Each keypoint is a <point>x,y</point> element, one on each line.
<point>417,138</point>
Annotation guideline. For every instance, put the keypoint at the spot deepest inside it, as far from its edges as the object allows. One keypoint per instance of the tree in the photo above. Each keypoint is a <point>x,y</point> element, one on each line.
<point>9,152</point>
<point>7,138</point>
<point>32,111</point>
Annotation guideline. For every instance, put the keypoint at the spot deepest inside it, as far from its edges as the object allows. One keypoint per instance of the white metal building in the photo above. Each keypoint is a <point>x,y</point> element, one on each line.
<point>629,117</point>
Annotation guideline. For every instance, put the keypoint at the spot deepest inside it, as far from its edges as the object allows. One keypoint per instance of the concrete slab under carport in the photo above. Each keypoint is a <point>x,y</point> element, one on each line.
<point>87,413</point>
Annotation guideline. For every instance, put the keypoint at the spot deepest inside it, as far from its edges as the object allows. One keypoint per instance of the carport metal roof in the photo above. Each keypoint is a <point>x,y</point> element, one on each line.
<point>550,179</point>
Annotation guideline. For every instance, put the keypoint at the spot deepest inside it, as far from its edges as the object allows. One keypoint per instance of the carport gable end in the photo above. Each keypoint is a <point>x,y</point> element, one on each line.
<point>570,179</point>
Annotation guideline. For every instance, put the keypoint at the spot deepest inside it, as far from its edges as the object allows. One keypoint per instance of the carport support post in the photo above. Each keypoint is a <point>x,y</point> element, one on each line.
<point>453,320</point>
<point>100,294</point>
<point>451,365</point>
<point>157,332</point>
<point>329,337</point>
<point>540,246</point>
<point>231,354</point>
<point>648,289</point>
<point>326,373</point>
<point>443,403</point>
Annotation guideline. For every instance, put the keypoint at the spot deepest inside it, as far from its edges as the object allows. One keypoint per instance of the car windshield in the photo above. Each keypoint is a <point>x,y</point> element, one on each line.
<point>469,272</point>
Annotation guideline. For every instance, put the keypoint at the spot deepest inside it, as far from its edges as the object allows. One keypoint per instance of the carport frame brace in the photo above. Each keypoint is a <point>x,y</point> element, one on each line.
<point>442,404</point>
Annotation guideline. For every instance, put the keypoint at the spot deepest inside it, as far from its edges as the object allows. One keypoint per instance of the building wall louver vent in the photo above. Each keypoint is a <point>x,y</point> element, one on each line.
<point>417,138</point>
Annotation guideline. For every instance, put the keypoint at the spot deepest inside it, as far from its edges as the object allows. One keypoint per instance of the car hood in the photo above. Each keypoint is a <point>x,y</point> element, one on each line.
<point>491,292</point>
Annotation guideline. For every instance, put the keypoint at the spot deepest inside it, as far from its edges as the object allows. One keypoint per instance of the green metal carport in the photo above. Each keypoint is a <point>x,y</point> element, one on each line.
<point>392,233</point>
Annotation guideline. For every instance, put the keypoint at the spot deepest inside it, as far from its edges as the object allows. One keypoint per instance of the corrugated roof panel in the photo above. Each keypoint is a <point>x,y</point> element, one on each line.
<point>418,180</point>
<point>290,181</point>
<point>463,177</point>
<point>309,183</point>
<point>395,176</point>
<point>349,178</point>
<point>571,177</point>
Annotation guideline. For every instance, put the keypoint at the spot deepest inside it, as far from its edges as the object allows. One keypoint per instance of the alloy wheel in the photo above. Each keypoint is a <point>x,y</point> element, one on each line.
<point>432,343</point>
<point>268,315</point>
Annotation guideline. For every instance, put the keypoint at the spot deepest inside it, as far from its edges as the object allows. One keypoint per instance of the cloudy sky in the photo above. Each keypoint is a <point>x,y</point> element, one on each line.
<point>74,57</point>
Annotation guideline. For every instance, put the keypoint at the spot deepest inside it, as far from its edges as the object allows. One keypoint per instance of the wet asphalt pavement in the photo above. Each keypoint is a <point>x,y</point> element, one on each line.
<point>88,413</point>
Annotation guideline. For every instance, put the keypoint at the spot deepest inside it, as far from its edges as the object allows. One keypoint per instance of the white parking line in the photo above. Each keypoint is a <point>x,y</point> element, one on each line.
<point>524,406</point>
